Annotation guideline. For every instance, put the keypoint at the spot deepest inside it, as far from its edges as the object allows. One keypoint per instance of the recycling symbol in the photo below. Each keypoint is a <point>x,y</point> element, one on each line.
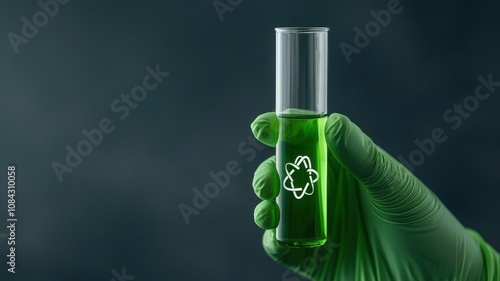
<point>301,162</point>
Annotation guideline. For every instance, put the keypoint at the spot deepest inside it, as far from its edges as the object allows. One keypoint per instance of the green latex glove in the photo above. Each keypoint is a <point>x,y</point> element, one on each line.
<point>383,223</point>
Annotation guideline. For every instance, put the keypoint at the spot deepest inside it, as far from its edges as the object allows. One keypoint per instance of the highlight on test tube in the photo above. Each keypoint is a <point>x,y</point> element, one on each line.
<point>301,150</point>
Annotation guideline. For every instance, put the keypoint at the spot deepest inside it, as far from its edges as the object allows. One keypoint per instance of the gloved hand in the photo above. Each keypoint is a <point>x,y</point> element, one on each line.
<point>383,223</point>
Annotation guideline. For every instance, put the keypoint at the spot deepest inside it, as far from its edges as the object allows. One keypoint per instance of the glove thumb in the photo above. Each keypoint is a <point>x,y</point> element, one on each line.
<point>396,194</point>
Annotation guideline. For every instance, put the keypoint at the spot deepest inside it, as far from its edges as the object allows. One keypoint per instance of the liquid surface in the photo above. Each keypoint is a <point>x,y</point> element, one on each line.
<point>301,161</point>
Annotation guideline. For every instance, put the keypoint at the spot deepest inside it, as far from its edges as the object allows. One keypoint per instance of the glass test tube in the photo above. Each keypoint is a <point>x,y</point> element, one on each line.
<point>301,150</point>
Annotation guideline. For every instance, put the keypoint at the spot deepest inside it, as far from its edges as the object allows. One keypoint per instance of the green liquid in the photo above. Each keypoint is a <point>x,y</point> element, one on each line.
<point>301,161</point>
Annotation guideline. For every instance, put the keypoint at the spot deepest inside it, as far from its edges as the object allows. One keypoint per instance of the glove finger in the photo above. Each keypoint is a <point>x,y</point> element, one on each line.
<point>265,128</point>
<point>395,193</point>
<point>266,180</point>
<point>276,251</point>
<point>266,214</point>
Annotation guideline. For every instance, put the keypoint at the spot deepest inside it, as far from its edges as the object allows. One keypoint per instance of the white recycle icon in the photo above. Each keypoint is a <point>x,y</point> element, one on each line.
<point>290,168</point>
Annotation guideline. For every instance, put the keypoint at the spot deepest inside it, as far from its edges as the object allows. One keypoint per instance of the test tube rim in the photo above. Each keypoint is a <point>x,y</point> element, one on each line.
<point>302,29</point>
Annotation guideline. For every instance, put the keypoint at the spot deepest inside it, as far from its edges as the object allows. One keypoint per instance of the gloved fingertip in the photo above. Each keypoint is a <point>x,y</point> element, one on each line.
<point>266,180</point>
<point>266,214</point>
<point>265,128</point>
<point>351,147</point>
<point>272,247</point>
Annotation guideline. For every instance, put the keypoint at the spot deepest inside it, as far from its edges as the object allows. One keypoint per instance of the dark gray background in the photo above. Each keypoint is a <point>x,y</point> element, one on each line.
<point>119,208</point>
